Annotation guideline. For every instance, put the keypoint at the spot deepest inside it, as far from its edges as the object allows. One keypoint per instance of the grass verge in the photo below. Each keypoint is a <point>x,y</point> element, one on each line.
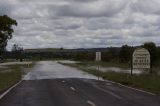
<point>145,82</point>
<point>11,75</point>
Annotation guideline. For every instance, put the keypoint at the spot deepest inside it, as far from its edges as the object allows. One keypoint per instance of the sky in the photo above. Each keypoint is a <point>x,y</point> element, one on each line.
<point>83,23</point>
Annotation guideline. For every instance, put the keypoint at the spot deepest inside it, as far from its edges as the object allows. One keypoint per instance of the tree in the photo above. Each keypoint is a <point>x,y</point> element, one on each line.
<point>151,47</point>
<point>125,53</point>
<point>107,56</point>
<point>158,52</point>
<point>6,30</point>
<point>61,48</point>
<point>17,52</point>
<point>15,48</point>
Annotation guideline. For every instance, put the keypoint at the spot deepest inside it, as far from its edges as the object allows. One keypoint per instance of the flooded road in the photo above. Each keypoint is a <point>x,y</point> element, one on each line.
<point>53,70</point>
<point>52,84</point>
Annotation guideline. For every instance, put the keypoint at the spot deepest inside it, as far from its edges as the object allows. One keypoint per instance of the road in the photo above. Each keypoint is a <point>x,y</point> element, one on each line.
<point>52,84</point>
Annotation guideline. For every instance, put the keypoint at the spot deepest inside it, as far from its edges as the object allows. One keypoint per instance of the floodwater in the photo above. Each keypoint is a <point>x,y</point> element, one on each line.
<point>116,69</point>
<point>12,63</point>
<point>106,69</point>
<point>53,70</point>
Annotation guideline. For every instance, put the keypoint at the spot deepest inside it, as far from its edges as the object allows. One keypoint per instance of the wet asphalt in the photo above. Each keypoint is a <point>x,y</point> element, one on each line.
<point>52,84</point>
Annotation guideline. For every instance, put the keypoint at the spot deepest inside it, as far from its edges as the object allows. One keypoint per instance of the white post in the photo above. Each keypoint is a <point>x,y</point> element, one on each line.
<point>98,59</point>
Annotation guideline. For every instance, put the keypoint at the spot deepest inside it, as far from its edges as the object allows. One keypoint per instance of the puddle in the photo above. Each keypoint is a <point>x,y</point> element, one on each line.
<point>5,71</point>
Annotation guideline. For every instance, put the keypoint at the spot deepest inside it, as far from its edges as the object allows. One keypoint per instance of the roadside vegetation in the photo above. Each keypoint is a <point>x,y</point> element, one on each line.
<point>11,74</point>
<point>144,81</point>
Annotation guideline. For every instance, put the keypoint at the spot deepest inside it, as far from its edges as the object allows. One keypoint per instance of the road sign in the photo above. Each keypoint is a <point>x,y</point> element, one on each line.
<point>141,59</point>
<point>98,56</point>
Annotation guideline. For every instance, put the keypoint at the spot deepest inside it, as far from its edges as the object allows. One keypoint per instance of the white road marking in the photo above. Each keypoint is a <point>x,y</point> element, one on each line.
<point>63,81</point>
<point>91,103</point>
<point>3,94</point>
<point>72,88</point>
<point>109,92</point>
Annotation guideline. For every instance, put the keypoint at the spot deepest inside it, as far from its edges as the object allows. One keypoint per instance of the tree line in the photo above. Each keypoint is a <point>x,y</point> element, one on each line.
<point>121,54</point>
<point>124,54</point>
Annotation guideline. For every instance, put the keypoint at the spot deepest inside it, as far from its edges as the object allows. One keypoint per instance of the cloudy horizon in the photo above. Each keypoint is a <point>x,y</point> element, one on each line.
<point>83,23</point>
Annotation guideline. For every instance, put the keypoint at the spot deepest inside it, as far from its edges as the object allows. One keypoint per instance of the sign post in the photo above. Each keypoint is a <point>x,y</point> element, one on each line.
<point>141,59</point>
<point>98,59</point>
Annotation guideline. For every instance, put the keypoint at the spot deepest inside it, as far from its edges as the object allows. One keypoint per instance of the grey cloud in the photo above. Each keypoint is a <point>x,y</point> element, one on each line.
<point>83,23</point>
<point>103,23</point>
<point>79,1</point>
<point>68,27</point>
<point>6,8</point>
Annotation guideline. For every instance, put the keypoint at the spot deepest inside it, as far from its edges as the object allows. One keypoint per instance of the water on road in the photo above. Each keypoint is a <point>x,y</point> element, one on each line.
<point>106,69</point>
<point>53,70</point>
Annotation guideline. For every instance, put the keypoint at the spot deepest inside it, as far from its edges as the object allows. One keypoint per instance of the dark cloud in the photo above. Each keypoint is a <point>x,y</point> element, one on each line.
<point>146,6</point>
<point>90,10</point>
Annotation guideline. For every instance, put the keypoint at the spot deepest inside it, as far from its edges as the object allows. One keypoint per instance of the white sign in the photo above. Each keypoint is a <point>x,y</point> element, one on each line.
<point>98,56</point>
<point>141,59</point>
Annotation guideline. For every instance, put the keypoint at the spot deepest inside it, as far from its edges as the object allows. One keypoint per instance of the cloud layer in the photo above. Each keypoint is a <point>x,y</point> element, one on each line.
<point>83,23</point>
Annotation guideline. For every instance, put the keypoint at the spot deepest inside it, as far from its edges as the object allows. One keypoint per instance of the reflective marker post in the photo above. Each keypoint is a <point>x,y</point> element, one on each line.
<point>98,59</point>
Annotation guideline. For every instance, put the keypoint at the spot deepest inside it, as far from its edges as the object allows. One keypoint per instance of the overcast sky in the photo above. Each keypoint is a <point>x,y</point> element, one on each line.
<point>83,23</point>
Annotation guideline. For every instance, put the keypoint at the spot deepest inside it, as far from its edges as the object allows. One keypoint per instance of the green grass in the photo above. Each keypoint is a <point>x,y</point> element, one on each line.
<point>146,82</point>
<point>8,79</point>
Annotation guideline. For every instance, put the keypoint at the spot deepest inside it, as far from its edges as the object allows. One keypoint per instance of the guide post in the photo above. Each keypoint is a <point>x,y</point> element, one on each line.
<point>98,59</point>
